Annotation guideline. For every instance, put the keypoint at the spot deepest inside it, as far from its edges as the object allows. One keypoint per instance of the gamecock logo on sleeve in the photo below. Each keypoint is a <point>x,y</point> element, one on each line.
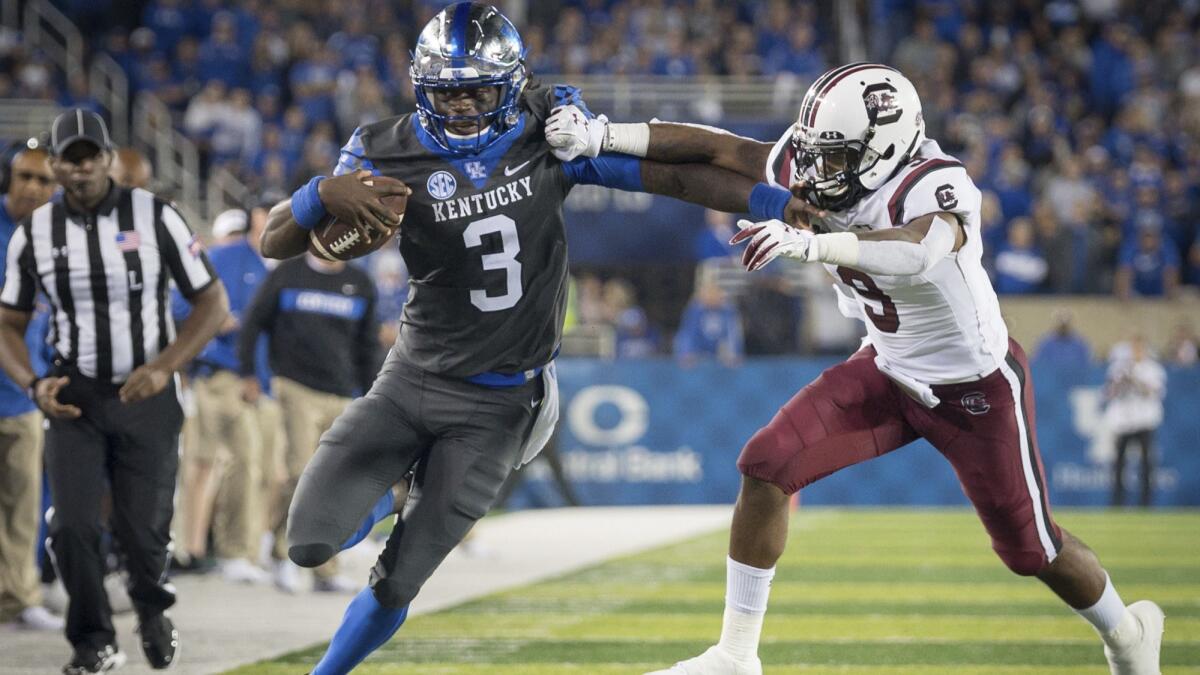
<point>946,197</point>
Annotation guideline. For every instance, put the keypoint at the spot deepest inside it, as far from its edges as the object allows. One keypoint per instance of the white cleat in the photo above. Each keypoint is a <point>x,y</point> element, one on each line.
<point>39,618</point>
<point>1138,656</point>
<point>287,576</point>
<point>715,661</point>
<point>242,571</point>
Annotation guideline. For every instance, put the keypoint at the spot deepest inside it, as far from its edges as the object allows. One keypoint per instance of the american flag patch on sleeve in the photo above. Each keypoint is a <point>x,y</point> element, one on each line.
<point>128,241</point>
<point>195,246</point>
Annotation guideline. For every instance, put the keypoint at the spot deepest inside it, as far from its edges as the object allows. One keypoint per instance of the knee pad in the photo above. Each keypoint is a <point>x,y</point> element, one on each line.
<point>764,457</point>
<point>392,594</point>
<point>311,555</point>
<point>1027,563</point>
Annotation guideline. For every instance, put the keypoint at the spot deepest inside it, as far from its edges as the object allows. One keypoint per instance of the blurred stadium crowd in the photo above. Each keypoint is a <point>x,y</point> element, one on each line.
<point>1080,119</point>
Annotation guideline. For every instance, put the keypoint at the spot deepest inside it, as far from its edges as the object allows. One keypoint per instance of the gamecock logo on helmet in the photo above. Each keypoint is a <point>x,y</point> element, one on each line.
<point>880,99</point>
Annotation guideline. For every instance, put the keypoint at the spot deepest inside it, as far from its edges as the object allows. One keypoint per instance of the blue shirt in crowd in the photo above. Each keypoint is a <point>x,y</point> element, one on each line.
<point>13,398</point>
<point>1067,351</point>
<point>242,271</point>
<point>1148,267</point>
<point>709,331</point>
<point>1019,270</point>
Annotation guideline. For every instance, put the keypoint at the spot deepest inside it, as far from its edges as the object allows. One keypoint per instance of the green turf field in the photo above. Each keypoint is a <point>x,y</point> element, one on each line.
<point>863,592</point>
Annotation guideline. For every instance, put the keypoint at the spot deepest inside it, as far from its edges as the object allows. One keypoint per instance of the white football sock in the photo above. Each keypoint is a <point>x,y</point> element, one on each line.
<point>746,591</point>
<point>1109,614</point>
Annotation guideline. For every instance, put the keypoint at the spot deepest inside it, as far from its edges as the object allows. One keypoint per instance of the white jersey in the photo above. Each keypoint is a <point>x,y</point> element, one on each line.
<point>939,327</point>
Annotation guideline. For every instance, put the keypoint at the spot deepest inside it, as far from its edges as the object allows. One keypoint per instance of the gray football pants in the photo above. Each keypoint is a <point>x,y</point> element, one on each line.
<point>467,436</point>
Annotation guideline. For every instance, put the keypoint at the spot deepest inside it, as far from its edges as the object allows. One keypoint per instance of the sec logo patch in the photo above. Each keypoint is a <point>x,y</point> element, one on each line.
<point>441,185</point>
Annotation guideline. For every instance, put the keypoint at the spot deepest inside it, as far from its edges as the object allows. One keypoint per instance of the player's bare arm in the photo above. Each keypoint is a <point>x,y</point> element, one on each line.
<point>689,143</point>
<point>703,184</point>
<point>572,133</point>
<point>353,198</point>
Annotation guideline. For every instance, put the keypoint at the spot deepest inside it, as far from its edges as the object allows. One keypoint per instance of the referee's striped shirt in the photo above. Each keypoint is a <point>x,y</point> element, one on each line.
<point>106,274</point>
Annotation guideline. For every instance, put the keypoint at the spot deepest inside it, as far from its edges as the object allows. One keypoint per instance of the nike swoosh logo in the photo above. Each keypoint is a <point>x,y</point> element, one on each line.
<point>510,170</point>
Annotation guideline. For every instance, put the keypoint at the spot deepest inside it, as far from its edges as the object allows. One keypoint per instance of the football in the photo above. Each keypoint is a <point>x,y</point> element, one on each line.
<point>336,240</point>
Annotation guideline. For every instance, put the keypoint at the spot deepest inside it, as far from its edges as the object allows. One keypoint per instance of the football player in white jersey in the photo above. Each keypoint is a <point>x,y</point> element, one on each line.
<point>896,223</point>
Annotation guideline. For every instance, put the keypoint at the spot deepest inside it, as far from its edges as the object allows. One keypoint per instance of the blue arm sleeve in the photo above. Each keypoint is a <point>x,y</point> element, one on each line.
<point>623,172</point>
<point>180,307</point>
<point>353,157</point>
<point>684,342</point>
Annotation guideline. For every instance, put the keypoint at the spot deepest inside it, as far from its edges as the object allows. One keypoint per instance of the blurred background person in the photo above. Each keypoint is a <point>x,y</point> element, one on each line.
<point>1149,267</point>
<point>1136,385</point>
<point>130,168</point>
<point>323,348</point>
<point>711,328</point>
<point>225,424</point>
<point>29,184</point>
<point>1183,348</point>
<point>1064,346</point>
<point>1020,265</point>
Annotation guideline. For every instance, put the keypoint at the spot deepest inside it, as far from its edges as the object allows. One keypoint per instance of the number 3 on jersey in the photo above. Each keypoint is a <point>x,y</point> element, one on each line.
<point>864,285</point>
<point>505,260</point>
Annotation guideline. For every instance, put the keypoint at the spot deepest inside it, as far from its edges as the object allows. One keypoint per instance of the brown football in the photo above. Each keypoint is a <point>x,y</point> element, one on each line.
<point>336,240</point>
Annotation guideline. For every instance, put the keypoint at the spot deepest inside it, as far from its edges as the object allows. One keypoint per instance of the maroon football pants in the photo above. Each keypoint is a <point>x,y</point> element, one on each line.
<point>986,428</point>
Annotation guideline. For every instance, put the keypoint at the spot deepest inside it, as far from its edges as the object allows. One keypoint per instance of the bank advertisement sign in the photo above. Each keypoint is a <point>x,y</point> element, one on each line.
<point>653,432</point>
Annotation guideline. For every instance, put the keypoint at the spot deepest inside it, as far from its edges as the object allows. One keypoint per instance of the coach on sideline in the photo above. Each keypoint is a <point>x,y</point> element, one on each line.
<point>103,254</point>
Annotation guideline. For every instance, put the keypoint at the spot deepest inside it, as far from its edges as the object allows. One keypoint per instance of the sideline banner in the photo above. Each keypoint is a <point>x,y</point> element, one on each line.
<point>652,432</point>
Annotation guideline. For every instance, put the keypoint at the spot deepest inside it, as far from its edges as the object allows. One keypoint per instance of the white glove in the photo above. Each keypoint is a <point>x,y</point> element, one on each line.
<point>572,134</point>
<point>771,239</point>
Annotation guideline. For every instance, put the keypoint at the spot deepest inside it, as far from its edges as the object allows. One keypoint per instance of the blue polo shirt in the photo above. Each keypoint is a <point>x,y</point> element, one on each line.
<point>242,271</point>
<point>13,399</point>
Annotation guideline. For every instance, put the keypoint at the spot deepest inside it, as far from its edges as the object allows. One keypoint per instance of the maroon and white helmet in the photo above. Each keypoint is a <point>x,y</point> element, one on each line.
<point>858,123</point>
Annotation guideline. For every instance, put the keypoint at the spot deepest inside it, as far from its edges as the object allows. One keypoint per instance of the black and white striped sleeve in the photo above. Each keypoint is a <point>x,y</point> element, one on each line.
<point>20,281</point>
<point>181,251</point>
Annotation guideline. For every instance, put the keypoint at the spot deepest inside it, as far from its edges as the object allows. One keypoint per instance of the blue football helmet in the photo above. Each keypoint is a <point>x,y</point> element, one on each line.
<point>469,45</point>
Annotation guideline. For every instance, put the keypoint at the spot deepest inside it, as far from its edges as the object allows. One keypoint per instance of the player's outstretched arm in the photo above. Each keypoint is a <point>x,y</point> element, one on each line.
<point>902,251</point>
<point>704,184</point>
<point>573,134</point>
<point>690,143</point>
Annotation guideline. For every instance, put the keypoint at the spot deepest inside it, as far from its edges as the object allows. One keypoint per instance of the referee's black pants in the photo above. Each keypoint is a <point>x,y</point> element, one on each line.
<point>134,448</point>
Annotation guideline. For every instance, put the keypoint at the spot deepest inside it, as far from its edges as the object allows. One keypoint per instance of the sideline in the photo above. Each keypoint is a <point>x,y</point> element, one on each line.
<point>224,625</point>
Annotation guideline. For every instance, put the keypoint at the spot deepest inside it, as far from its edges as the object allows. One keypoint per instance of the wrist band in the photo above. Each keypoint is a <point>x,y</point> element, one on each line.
<point>31,390</point>
<point>307,208</point>
<point>768,203</point>
<point>629,139</point>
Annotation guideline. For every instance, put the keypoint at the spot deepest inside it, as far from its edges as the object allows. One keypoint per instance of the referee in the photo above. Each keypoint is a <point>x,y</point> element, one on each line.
<point>103,255</point>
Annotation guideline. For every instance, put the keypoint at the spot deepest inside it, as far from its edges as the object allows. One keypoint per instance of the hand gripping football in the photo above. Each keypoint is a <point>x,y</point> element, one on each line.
<point>336,240</point>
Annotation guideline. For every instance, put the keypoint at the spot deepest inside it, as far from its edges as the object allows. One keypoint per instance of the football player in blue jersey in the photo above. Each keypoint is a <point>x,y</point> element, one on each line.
<point>468,391</point>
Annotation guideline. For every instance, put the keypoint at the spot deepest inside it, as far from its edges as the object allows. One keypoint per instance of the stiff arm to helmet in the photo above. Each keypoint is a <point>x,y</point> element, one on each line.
<point>905,251</point>
<point>574,135</point>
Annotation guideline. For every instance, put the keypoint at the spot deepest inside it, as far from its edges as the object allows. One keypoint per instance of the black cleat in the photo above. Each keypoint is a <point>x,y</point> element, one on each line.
<point>92,660</point>
<point>160,641</point>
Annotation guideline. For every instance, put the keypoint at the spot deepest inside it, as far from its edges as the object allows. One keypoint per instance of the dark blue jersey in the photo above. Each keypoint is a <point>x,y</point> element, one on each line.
<point>483,237</point>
